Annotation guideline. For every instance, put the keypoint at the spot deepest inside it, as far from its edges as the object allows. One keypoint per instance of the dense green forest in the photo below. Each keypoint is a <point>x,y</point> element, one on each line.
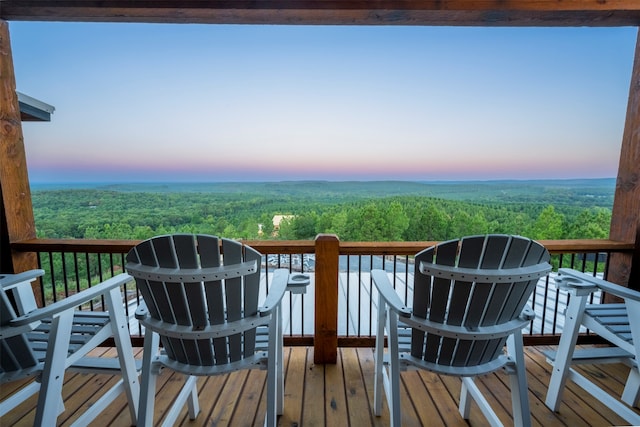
<point>355,211</point>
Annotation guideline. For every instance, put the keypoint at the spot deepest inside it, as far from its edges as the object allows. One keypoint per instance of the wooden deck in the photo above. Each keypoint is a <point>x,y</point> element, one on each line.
<point>340,395</point>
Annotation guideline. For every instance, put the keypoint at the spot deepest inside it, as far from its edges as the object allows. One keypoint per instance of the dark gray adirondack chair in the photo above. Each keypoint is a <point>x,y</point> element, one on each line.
<point>201,296</point>
<point>618,323</point>
<point>45,342</point>
<point>469,299</point>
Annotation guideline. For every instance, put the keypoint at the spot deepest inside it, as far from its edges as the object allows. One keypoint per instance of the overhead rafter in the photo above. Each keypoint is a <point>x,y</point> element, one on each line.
<point>597,13</point>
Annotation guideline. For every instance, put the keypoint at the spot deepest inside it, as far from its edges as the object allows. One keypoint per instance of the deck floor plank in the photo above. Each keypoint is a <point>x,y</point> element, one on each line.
<point>295,369</point>
<point>367,368</point>
<point>440,399</point>
<point>356,393</point>
<point>313,410</point>
<point>335,398</point>
<point>339,395</point>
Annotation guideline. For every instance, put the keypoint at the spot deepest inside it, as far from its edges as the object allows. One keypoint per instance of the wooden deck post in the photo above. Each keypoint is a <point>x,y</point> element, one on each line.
<point>325,341</point>
<point>16,211</point>
<point>624,269</point>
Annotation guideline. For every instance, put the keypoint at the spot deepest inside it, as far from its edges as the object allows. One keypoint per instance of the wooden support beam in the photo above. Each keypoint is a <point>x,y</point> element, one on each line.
<point>325,342</point>
<point>16,207</point>
<point>624,269</point>
<point>333,12</point>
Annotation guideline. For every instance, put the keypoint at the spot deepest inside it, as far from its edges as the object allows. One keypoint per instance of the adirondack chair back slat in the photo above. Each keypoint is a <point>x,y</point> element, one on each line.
<point>199,304</point>
<point>201,299</point>
<point>466,319</point>
<point>471,303</point>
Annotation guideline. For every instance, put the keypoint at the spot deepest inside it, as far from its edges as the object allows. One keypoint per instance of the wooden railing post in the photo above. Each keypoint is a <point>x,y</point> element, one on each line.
<point>325,341</point>
<point>625,217</point>
<point>16,211</point>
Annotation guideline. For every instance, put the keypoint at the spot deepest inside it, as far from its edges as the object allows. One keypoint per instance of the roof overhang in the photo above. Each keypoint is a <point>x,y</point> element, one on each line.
<point>32,110</point>
<point>552,13</point>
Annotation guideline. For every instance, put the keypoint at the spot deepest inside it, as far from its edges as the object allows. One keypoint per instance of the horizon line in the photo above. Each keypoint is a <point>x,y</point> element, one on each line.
<point>441,180</point>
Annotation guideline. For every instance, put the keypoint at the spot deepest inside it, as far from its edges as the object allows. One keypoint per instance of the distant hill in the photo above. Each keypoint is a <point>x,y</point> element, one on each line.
<point>576,192</point>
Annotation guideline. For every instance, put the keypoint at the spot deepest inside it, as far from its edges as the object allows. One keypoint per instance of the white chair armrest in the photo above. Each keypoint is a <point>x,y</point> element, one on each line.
<point>72,301</point>
<point>10,280</point>
<point>381,280</point>
<point>19,287</point>
<point>279,282</point>
<point>586,280</point>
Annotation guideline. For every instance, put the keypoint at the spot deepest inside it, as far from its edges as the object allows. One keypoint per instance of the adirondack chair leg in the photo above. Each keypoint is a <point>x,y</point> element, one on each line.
<point>465,402</point>
<point>193,404</point>
<point>149,376</point>
<point>392,376</point>
<point>518,381</point>
<point>272,374</point>
<point>631,393</point>
<point>564,355</point>
<point>17,398</point>
<point>379,355</point>
<point>280,363</point>
<point>125,351</point>
<point>189,395</point>
<point>52,379</point>
<point>482,403</point>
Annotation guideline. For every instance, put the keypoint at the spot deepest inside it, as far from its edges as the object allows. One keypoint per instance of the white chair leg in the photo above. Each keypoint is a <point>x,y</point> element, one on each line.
<point>392,380</point>
<point>189,395</point>
<point>379,358</point>
<point>53,373</point>
<point>564,355</point>
<point>193,404</point>
<point>631,393</point>
<point>280,364</point>
<point>465,402</point>
<point>122,339</point>
<point>149,376</point>
<point>272,375</point>
<point>481,401</point>
<point>518,381</point>
<point>17,398</point>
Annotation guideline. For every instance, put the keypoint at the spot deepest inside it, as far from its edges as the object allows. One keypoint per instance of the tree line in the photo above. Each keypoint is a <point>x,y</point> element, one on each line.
<point>108,214</point>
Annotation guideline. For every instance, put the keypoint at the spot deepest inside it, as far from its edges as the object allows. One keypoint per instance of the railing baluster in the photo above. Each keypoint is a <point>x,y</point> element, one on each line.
<point>357,327</point>
<point>53,279</point>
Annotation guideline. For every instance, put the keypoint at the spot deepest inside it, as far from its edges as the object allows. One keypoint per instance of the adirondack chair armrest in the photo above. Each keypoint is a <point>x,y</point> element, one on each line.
<point>72,301</point>
<point>381,280</point>
<point>11,280</point>
<point>587,281</point>
<point>18,286</point>
<point>279,282</point>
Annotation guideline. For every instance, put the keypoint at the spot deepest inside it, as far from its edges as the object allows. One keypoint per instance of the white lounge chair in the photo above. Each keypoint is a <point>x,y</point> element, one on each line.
<point>45,342</point>
<point>618,323</point>
<point>469,299</point>
<point>201,296</point>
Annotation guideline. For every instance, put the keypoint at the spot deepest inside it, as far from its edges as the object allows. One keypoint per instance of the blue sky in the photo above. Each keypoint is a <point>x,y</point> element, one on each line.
<point>149,102</point>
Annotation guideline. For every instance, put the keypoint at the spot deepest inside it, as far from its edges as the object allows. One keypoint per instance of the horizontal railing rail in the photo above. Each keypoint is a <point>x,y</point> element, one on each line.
<point>339,308</point>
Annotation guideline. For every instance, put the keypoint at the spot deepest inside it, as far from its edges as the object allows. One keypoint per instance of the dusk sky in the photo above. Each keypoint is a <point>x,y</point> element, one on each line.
<point>151,102</point>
